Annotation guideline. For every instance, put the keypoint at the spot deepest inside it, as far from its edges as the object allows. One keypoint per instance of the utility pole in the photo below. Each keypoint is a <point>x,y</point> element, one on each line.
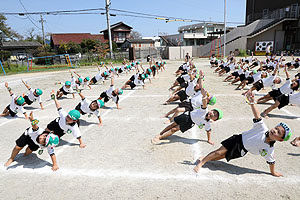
<point>42,22</point>
<point>224,28</point>
<point>108,28</point>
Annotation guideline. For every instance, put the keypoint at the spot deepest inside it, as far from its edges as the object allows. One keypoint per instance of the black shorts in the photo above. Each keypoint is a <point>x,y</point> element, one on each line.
<point>258,85</point>
<point>255,64</point>
<point>242,77</point>
<point>27,100</point>
<point>288,64</point>
<point>297,75</point>
<point>131,84</point>
<point>284,100</point>
<point>184,85</point>
<point>132,78</point>
<point>94,80</point>
<point>104,96</point>
<point>234,146</point>
<point>180,68</point>
<point>296,65</point>
<point>271,68</point>
<point>227,69</point>
<point>250,79</point>
<point>182,95</point>
<point>184,121</point>
<point>120,71</point>
<point>12,113</point>
<point>78,107</point>
<point>275,93</point>
<point>235,74</point>
<point>187,105</point>
<point>222,66</point>
<point>54,126</point>
<point>63,91</point>
<point>24,140</point>
<point>180,80</point>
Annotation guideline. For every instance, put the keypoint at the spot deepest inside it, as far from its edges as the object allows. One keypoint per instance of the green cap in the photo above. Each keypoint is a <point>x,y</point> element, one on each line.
<point>137,62</point>
<point>212,100</point>
<point>288,133</point>
<point>87,78</point>
<point>149,70</point>
<point>100,103</point>
<point>120,91</point>
<point>146,75</point>
<point>52,140</point>
<point>67,83</point>
<point>219,112</point>
<point>143,76</point>
<point>74,114</point>
<point>80,80</point>
<point>254,71</point>
<point>20,100</point>
<point>105,73</point>
<point>38,91</point>
<point>112,69</point>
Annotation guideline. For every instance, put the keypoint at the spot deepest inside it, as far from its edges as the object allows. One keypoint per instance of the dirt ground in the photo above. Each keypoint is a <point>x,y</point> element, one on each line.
<point>120,162</point>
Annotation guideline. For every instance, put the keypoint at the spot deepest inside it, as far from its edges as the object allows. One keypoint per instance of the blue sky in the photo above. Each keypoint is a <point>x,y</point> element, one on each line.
<point>195,9</point>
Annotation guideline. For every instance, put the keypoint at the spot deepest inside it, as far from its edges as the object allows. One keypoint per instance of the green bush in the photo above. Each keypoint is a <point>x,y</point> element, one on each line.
<point>243,53</point>
<point>4,55</point>
<point>44,61</point>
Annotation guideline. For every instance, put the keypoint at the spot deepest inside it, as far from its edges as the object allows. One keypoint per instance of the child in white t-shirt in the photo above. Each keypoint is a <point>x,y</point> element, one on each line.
<point>35,138</point>
<point>33,95</point>
<point>15,105</point>
<point>201,117</point>
<point>259,141</point>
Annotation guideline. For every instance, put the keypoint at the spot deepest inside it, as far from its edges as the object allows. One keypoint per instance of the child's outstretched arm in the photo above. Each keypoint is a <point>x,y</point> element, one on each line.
<point>272,170</point>
<point>204,98</point>
<point>55,100</point>
<point>9,89</point>
<point>26,85</point>
<point>250,97</point>
<point>71,74</point>
<point>81,95</point>
<point>76,74</point>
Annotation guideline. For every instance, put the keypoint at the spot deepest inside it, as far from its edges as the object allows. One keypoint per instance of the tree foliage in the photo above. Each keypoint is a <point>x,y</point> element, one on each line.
<point>7,31</point>
<point>135,35</point>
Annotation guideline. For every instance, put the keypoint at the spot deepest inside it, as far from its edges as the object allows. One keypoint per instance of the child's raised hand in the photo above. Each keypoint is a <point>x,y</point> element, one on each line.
<point>250,96</point>
<point>201,74</point>
<point>6,84</point>
<point>203,92</point>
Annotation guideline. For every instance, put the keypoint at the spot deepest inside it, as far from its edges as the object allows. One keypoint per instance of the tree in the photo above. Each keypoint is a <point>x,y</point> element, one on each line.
<point>7,31</point>
<point>135,35</point>
<point>88,45</point>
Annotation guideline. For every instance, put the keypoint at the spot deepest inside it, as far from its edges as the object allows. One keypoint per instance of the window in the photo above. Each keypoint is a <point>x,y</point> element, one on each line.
<point>121,36</point>
<point>210,29</point>
<point>265,12</point>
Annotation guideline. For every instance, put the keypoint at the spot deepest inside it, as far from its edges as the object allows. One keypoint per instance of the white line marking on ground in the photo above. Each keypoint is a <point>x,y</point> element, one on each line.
<point>25,79</point>
<point>289,113</point>
<point>195,146</point>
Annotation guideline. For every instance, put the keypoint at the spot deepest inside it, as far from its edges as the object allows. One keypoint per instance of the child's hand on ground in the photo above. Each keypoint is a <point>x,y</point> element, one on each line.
<point>82,146</point>
<point>277,174</point>
<point>55,168</point>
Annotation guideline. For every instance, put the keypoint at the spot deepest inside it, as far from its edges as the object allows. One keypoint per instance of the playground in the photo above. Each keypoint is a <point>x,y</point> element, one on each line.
<point>120,162</point>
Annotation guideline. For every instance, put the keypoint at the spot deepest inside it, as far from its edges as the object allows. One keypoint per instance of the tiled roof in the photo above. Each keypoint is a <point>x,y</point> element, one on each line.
<point>58,38</point>
<point>116,25</point>
<point>20,44</point>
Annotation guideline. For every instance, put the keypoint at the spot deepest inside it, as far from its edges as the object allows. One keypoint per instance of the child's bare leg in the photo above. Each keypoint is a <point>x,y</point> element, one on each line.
<point>170,112</point>
<point>215,155</point>
<point>4,113</point>
<point>178,110</point>
<point>27,151</point>
<point>264,99</point>
<point>268,110</point>
<point>14,153</point>
<point>244,83</point>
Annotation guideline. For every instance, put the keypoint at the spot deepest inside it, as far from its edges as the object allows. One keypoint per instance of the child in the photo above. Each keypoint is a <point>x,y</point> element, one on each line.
<point>86,80</point>
<point>65,123</point>
<point>35,137</point>
<point>33,95</point>
<point>201,117</point>
<point>111,93</point>
<point>135,80</point>
<point>287,88</point>
<point>65,90</point>
<point>296,142</point>
<point>259,141</point>
<point>282,101</point>
<point>90,107</point>
<point>98,76</point>
<point>15,105</point>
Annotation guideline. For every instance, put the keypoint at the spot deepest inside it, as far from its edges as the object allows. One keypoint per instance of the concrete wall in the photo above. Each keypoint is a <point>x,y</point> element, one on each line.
<point>179,52</point>
<point>268,35</point>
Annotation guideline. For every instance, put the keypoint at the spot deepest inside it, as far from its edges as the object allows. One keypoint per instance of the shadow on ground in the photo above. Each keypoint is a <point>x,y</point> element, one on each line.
<point>31,161</point>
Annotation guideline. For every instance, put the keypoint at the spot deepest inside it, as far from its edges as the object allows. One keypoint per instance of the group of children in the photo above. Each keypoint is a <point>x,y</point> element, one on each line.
<point>36,137</point>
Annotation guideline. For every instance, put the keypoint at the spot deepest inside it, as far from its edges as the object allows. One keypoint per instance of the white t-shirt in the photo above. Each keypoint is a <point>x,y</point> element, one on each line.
<point>66,127</point>
<point>110,95</point>
<point>286,87</point>
<point>295,99</point>
<point>269,81</point>
<point>231,66</point>
<point>68,90</point>
<point>99,76</point>
<point>254,141</point>
<point>85,107</point>
<point>86,83</point>
<point>33,98</point>
<point>213,59</point>
<point>186,77</point>
<point>137,81</point>
<point>14,107</point>
<point>198,117</point>
<point>34,134</point>
<point>196,101</point>
<point>257,76</point>
<point>190,90</point>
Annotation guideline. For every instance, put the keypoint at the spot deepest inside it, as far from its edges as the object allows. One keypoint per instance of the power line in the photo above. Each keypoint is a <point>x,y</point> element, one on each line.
<point>28,16</point>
